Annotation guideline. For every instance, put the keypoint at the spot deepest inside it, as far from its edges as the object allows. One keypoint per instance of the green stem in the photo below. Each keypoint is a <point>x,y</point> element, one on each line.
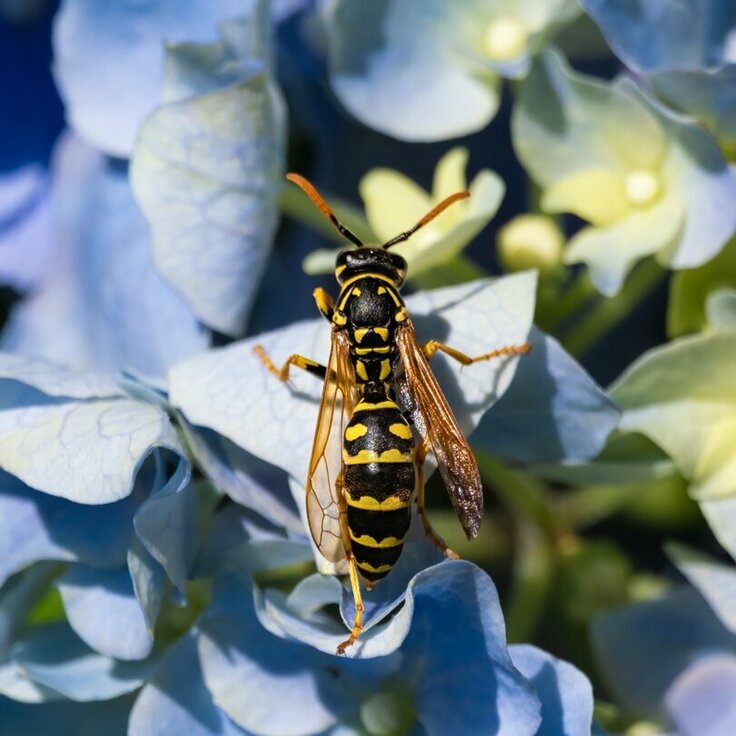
<point>296,205</point>
<point>578,509</point>
<point>535,535</point>
<point>609,312</point>
<point>458,270</point>
<point>580,291</point>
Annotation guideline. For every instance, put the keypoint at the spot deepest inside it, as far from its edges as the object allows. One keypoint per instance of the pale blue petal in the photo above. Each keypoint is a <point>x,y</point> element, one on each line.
<point>456,648</point>
<point>35,526</point>
<point>206,172</point>
<point>15,684</point>
<point>682,47</point>
<point>252,674</point>
<point>565,692</point>
<point>650,34</point>
<point>65,718</point>
<point>149,581</point>
<point>240,541</point>
<point>166,523</point>
<point>230,390</point>
<point>697,171</point>
<point>715,581</point>
<point>720,513</point>
<point>454,659</point>
<point>297,616</point>
<point>87,452</point>
<point>641,649</point>
<point>702,701</point>
<point>246,479</point>
<point>55,657</point>
<point>553,411</point>
<point>102,609</point>
<point>107,99</point>
<point>56,381</point>
<point>25,226</point>
<point>176,701</point>
<point>101,304</point>
<point>412,69</point>
<point>707,94</point>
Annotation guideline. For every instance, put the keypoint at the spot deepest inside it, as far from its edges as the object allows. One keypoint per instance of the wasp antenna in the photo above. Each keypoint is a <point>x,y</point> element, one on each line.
<point>443,205</point>
<point>311,192</point>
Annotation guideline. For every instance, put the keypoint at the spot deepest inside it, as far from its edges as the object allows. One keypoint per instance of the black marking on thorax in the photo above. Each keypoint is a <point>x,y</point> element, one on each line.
<point>369,304</point>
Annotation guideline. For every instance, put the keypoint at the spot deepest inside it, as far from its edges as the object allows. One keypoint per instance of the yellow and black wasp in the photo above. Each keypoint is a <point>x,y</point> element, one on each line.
<point>366,467</point>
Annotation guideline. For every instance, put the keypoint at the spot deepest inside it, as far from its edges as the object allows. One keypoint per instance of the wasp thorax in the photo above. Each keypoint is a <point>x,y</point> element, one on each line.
<point>357,261</point>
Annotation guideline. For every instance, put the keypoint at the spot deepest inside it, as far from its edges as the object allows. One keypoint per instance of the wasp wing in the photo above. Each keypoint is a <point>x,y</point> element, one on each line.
<point>324,481</point>
<point>435,421</point>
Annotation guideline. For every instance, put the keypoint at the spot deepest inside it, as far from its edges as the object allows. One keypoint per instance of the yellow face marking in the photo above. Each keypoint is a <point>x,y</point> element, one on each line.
<point>361,371</point>
<point>381,290</point>
<point>366,351</point>
<point>382,332</point>
<point>368,541</point>
<point>368,503</point>
<point>339,270</point>
<point>371,456</point>
<point>369,568</point>
<point>401,314</point>
<point>401,430</point>
<point>357,430</point>
<point>385,370</point>
<point>367,406</point>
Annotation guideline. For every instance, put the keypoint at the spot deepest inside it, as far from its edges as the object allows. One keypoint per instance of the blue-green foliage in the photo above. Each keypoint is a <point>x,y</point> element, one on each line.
<point>156,576</point>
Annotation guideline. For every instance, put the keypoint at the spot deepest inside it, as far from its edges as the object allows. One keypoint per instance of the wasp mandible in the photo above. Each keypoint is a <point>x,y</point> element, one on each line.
<point>366,467</point>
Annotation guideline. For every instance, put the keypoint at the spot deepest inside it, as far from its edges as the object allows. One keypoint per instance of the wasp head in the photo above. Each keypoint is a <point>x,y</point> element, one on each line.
<point>356,261</point>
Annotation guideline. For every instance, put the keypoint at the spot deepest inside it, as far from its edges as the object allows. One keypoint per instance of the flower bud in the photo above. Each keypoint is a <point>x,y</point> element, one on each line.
<point>530,241</point>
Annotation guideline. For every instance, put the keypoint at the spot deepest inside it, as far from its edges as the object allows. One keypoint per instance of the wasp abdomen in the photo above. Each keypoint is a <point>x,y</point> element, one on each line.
<point>379,483</point>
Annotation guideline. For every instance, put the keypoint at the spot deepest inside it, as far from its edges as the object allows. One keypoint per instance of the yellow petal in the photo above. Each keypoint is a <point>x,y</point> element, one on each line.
<point>596,195</point>
<point>393,202</point>
<point>449,176</point>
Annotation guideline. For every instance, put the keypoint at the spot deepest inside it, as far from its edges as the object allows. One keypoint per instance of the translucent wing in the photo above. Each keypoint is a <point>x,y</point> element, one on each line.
<point>435,421</point>
<point>324,481</point>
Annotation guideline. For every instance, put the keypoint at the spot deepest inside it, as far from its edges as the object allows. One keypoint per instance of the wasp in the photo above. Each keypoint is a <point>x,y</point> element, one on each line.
<point>366,467</point>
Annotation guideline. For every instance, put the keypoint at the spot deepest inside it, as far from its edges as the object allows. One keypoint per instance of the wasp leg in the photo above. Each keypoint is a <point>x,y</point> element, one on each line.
<point>325,304</point>
<point>419,455</point>
<point>316,369</point>
<point>358,598</point>
<point>352,568</point>
<point>431,347</point>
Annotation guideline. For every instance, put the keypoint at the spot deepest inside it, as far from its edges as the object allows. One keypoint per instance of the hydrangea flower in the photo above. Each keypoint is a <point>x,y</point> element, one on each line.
<point>393,202</point>
<point>682,397</point>
<point>670,661</point>
<point>427,674</point>
<point>426,70</point>
<point>93,473</point>
<point>649,182</point>
<point>254,647</point>
<point>684,50</point>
